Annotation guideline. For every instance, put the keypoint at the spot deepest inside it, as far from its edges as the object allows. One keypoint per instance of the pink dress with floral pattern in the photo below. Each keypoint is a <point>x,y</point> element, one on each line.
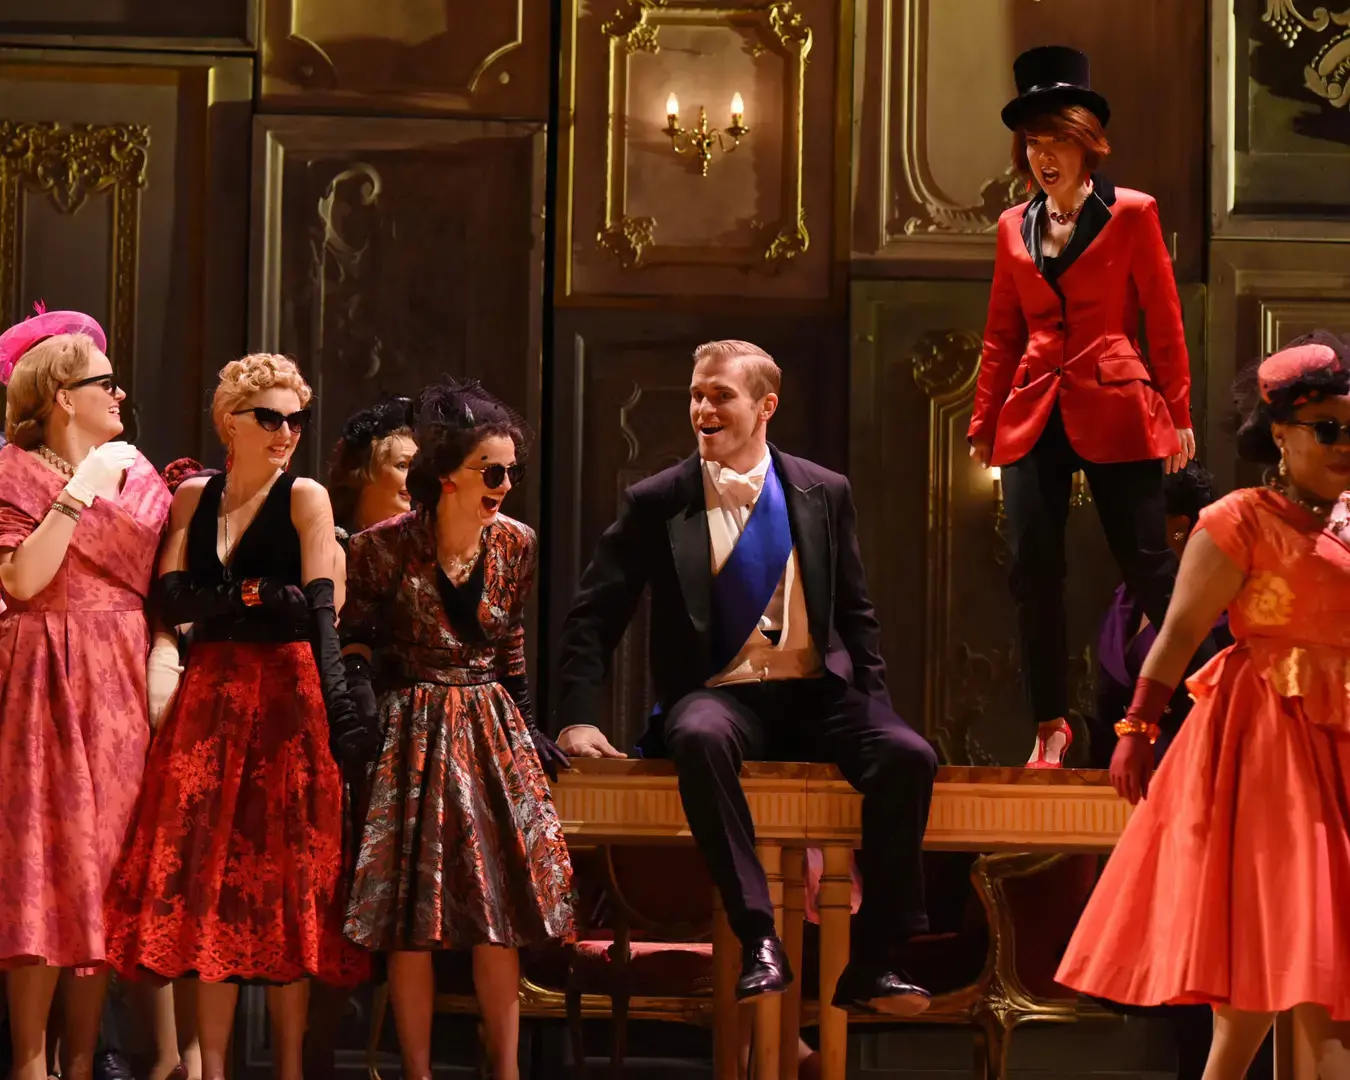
<point>73,723</point>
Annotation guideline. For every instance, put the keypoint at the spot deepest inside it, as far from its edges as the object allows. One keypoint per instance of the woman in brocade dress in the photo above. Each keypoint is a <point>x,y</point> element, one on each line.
<point>233,870</point>
<point>461,847</point>
<point>77,552</point>
<point>1231,885</point>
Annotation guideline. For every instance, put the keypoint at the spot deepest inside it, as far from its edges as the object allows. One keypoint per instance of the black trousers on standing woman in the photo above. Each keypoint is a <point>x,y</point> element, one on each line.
<point>1129,500</point>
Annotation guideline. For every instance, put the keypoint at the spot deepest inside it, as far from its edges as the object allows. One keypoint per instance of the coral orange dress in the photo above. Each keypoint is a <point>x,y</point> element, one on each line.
<point>1231,884</point>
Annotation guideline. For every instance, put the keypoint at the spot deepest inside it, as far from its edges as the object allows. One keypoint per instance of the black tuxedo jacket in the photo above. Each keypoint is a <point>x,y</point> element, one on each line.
<point>661,540</point>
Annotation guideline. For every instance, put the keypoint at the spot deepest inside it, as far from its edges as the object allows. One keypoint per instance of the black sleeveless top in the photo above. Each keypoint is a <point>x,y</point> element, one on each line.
<point>269,548</point>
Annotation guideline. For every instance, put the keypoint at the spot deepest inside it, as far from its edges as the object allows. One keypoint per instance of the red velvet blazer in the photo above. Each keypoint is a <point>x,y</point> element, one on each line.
<point>1076,338</point>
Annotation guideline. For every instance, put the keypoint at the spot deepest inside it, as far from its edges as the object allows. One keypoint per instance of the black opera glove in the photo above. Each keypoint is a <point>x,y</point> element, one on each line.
<point>360,688</point>
<point>550,756</point>
<point>183,600</point>
<point>353,741</point>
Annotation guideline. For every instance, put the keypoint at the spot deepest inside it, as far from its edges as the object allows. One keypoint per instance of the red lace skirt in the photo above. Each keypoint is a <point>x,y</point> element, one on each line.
<point>233,867</point>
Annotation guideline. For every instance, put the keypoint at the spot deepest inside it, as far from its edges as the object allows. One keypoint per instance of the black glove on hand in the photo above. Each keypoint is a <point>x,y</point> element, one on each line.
<point>353,742</point>
<point>550,757</point>
<point>287,601</point>
<point>360,688</point>
<point>183,601</point>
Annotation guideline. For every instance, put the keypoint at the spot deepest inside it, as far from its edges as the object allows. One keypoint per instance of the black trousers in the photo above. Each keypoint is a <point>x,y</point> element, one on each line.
<point>709,733</point>
<point>1129,500</point>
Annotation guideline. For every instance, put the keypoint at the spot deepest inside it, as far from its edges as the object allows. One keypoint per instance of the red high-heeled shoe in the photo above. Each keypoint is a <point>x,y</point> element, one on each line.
<point>1050,752</point>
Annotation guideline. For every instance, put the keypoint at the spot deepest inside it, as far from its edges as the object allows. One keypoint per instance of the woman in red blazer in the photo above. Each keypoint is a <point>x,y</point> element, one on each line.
<point>1064,384</point>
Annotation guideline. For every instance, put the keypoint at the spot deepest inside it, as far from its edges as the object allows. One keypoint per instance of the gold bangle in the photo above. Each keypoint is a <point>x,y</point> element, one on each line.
<point>69,511</point>
<point>1137,727</point>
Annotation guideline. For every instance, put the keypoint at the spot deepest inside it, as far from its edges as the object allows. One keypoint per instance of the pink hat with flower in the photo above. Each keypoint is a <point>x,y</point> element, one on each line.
<point>21,337</point>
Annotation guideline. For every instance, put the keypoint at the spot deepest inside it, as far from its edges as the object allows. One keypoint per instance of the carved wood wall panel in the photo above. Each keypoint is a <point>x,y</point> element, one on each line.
<point>621,412</point>
<point>1261,296</point>
<point>430,57</point>
<point>1281,128</point>
<point>931,156</point>
<point>144,24</point>
<point>932,538</point>
<point>123,180</point>
<point>388,252</point>
<point>642,221</point>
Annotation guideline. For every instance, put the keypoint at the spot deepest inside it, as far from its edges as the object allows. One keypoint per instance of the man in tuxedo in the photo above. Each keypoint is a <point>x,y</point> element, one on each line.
<point>764,646</point>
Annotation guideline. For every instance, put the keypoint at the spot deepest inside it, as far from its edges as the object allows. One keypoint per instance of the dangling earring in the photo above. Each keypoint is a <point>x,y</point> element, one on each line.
<point>229,457</point>
<point>1284,463</point>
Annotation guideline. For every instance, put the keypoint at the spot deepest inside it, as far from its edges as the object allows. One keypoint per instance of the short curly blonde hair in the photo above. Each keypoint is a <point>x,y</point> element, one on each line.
<point>241,379</point>
<point>44,369</point>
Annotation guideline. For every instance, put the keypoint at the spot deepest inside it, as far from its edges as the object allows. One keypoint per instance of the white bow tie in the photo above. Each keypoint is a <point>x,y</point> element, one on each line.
<point>738,486</point>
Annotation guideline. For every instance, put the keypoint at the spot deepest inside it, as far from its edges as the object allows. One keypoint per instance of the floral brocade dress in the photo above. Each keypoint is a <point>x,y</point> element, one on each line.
<point>73,722</point>
<point>1231,883</point>
<point>461,845</point>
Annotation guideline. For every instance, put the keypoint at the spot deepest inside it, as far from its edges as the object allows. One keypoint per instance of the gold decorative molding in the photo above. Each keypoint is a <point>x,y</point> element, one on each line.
<point>633,28</point>
<point>69,164</point>
<point>1263,185</point>
<point>946,362</point>
<point>627,238</point>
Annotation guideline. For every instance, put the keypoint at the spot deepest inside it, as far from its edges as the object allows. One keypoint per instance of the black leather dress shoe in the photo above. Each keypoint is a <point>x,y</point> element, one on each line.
<point>869,991</point>
<point>764,969</point>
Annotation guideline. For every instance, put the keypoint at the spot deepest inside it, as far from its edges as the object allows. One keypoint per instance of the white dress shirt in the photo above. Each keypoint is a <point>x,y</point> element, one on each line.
<point>730,496</point>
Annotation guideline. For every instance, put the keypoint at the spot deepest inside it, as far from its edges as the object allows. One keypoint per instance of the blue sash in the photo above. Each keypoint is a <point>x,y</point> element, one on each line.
<point>742,589</point>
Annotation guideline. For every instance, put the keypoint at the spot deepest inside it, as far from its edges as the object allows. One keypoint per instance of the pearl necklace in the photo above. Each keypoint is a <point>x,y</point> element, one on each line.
<point>64,467</point>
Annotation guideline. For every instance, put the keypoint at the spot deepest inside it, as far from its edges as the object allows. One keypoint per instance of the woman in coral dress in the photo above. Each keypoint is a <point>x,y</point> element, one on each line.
<point>233,868</point>
<point>1231,884</point>
<point>81,519</point>
<point>461,847</point>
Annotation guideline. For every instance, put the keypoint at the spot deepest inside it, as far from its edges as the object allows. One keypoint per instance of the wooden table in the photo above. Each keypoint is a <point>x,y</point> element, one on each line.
<point>796,806</point>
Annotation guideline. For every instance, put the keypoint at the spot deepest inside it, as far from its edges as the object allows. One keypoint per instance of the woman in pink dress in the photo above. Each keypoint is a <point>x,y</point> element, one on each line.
<point>1231,885</point>
<point>77,547</point>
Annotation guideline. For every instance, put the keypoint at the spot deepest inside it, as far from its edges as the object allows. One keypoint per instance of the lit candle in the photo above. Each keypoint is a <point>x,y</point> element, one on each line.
<point>672,109</point>
<point>737,109</point>
<point>996,473</point>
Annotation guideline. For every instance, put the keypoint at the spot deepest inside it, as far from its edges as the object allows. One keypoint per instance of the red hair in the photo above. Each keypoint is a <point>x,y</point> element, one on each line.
<point>1072,122</point>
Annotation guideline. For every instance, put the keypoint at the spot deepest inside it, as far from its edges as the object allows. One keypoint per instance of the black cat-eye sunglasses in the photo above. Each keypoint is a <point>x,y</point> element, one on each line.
<point>271,420</point>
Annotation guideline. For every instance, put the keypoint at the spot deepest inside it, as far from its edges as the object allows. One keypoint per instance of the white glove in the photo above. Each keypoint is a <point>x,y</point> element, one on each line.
<point>161,682</point>
<point>100,473</point>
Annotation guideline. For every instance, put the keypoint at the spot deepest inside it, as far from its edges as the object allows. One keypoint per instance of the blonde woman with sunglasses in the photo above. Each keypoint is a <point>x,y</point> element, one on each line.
<point>233,869</point>
<point>81,516</point>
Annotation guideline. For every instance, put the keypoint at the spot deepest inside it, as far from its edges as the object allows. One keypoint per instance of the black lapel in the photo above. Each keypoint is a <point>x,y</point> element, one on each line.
<point>1092,220</point>
<point>809,516</point>
<point>689,544</point>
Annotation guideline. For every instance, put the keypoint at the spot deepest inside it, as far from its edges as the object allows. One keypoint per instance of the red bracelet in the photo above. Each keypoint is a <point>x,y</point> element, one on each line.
<point>249,592</point>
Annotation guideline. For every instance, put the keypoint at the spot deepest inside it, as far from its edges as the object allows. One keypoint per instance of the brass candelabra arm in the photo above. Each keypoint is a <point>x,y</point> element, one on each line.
<point>700,140</point>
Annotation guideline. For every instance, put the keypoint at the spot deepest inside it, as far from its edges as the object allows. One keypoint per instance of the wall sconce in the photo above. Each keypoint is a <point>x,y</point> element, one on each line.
<point>700,140</point>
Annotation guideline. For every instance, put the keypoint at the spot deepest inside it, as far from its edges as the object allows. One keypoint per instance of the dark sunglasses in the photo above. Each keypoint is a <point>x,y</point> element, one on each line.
<point>108,383</point>
<point>271,420</point>
<point>1326,432</point>
<point>495,475</point>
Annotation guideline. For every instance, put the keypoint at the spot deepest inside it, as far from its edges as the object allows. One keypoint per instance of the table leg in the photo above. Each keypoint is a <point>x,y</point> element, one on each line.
<point>794,904</point>
<point>769,1009</point>
<point>726,1016</point>
<point>835,905</point>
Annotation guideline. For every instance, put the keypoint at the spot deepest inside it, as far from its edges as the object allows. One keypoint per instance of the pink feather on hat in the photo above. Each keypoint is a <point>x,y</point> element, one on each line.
<point>1288,366</point>
<point>21,337</point>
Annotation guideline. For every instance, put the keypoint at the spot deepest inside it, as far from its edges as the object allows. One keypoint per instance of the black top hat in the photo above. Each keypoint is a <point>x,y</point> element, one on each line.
<point>1048,78</point>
